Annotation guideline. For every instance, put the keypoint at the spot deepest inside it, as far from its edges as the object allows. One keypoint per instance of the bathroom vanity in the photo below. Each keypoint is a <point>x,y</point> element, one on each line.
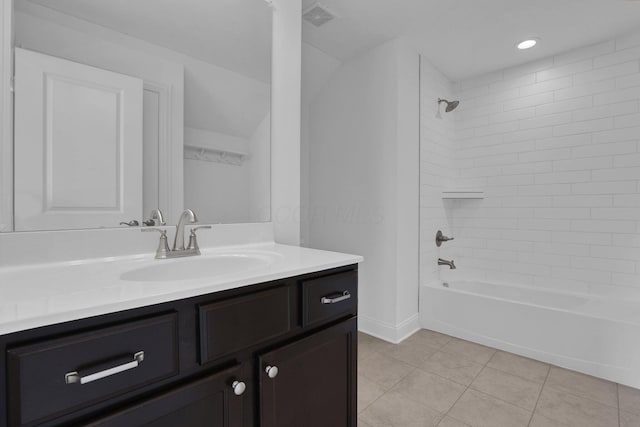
<point>273,345</point>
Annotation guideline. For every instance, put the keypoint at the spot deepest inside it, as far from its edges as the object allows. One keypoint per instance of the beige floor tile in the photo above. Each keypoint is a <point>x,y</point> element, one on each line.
<point>412,352</point>
<point>367,345</point>
<point>628,419</point>
<point>362,423</point>
<point>541,421</point>
<point>452,366</point>
<point>629,399</point>
<point>481,410</point>
<point>510,388</point>
<point>430,338</point>
<point>583,385</point>
<point>394,409</point>
<point>430,390</point>
<point>570,410</point>
<point>368,392</point>
<point>383,370</point>
<point>472,351</point>
<point>520,366</point>
<point>451,422</point>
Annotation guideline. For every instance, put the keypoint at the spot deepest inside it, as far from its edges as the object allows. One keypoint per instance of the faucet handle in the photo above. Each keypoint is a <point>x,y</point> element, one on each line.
<point>193,240</point>
<point>163,245</point>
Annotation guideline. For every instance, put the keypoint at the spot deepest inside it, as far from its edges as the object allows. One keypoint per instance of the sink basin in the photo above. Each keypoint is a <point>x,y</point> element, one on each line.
<point>199,267</point>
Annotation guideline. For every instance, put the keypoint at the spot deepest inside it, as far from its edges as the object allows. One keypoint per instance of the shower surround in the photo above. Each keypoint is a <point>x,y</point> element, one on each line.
<point>555,146</point>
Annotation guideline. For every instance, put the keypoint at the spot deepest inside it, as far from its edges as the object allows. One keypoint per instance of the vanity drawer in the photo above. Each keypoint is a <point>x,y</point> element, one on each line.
<point>238,323</point>
<point>329,297</point>
<point>54,377</point>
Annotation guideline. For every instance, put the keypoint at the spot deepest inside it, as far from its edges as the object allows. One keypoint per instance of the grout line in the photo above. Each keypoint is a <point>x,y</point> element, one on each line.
<point>535,408</point>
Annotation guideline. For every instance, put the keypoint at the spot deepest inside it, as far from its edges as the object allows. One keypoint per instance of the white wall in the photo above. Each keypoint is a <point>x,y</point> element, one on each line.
<point>362,126</point>
<point>436,167</point>
<point>556,146</point>
<point>259,163</point>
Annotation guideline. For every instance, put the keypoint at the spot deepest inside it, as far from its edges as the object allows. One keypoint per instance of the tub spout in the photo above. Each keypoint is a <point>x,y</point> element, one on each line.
<point>451,264</point>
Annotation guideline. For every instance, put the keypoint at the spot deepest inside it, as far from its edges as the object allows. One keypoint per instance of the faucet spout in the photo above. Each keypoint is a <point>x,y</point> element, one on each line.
<point>451,264</point>
<point>187,216</point>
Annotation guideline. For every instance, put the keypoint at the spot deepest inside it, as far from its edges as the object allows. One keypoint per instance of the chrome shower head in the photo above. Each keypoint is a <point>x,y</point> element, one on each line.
<point>451,105</point>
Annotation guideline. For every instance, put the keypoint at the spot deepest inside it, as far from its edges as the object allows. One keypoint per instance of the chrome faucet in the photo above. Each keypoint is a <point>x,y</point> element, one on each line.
<point>451,264</point>
<point>155,218</point>
<point>178,250</point>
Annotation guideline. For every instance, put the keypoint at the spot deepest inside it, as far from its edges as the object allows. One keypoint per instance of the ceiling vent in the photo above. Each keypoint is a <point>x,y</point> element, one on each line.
<point>317,15</point>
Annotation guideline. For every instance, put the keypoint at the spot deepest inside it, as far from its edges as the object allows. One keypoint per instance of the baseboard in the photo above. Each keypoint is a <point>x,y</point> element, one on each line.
<point>387,332</point>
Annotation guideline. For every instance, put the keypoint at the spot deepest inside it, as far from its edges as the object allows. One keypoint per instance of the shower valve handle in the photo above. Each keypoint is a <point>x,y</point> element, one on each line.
<point>440,238</point>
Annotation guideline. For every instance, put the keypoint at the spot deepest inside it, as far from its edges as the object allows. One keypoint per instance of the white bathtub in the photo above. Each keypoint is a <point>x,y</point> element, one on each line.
<point>597,336</point>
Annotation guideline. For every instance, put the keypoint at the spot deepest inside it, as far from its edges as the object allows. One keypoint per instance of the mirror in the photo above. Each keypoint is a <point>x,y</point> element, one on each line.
<point>124,107</point>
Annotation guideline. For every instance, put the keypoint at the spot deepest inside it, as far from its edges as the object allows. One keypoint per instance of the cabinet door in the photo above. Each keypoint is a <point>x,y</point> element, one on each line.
<point>311,382</point>
<point>216,400</point>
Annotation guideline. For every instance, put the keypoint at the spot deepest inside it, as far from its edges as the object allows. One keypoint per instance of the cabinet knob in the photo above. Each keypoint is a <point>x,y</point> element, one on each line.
<point>238,387</point>
<point>272,371</point>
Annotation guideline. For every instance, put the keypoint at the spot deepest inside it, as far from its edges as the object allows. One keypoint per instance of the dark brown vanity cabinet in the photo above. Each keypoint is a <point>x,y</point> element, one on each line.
<point>275,354</point>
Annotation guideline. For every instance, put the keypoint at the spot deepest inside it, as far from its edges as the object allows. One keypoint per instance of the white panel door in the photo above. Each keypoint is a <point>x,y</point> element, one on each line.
<point>78,145</point>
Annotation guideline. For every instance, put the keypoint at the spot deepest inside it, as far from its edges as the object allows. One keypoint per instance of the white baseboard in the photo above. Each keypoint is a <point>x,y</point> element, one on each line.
<point>387,332</point>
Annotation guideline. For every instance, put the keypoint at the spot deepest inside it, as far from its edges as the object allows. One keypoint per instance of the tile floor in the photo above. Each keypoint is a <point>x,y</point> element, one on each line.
<point>432,379</point>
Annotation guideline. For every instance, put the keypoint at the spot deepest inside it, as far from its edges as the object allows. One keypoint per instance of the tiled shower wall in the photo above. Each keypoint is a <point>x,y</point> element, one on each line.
<point>555,145</point>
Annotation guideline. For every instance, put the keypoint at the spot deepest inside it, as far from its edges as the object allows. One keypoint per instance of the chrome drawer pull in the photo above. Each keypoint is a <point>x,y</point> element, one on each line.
<point>74,377</point>
<point>344,296</point>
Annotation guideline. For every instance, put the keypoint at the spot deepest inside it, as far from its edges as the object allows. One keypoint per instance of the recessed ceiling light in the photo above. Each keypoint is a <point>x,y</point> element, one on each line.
<point>527,44</point>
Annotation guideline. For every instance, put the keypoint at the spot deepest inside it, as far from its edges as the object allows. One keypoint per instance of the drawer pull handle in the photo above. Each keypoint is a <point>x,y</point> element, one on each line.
<point>343,296</point>
<point>238,388</point>
<point>272,371</point>
<point>75,377</point>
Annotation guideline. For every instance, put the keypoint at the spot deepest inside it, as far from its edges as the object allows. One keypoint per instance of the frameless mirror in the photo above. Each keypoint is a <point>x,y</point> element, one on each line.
<point>124,107</point>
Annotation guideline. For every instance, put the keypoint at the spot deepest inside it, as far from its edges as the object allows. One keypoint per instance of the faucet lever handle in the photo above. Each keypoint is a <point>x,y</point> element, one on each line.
<point>193,240</point>
<point>194,229</point>
<point>163,245</point>
<point>160,230</point>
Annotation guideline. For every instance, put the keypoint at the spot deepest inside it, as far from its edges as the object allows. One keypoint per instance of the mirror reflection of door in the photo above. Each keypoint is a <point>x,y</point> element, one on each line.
<point>78,144</point>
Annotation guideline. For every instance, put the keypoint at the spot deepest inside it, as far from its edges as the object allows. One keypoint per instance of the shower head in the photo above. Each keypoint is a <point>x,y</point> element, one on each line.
<point>451,105</point>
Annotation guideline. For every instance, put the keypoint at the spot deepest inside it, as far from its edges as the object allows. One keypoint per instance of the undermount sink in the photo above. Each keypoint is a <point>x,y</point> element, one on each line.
<point>199,267</point>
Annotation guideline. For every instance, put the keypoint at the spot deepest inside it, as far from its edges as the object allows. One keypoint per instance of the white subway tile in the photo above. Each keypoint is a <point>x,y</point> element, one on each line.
<point>545,259</point>
<point>617,57</point>
<point>515,169</point>
<point>563,177</point>
<point>583,201</point>
<point>498,128</point>
<point>512,115</point>
<point>483,80</point>
<point>545,189</point>
<point>544,224</point>
<point>602,225</point>
<point>607,72</point>
<point>615,96</point>
<point>618,174</point>
<point>589,163</point>
<point>528,201</point>
<point>586,52</point>
<point>510,245</point>
<point>528,135</point>
<point>610,149</point>
<point>592,276</point>
<point>542,155</point>
<point>591,263</point>
<point>622,279</point>
<point>588,126</point>
<point>630,120</point>
<point>472,122</point>
<point>556,248</point>
<point>546,86</point>
<point>616,252</point>
<point>562,213</point>
<point>528,101</point>
<point>620,187</point>
<point>526,235</point>
<point>545,121</point>
<point>566,105</point>
<point>563,141</point>
<point>603,111</point>
<point>585,90</point>
<point>503,159</point>
<point>616,135</point>
<point>631,160</point>
<point>628,41</point>
<point>627,200</point>
<point>627,240</point>
<point>627,213</point>
<point>530,67</point>
<point>585,238</point>
<point>565,70</point>
<point>510,180</point>
<point>628,81</point>
<point>516,82</point>
<point>476,92</point>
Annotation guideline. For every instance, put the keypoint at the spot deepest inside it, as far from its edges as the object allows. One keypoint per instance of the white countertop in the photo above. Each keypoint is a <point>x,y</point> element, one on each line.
<point>32,296</point>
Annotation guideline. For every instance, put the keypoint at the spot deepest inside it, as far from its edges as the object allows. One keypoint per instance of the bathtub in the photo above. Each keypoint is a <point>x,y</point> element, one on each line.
<point>595,335</point>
